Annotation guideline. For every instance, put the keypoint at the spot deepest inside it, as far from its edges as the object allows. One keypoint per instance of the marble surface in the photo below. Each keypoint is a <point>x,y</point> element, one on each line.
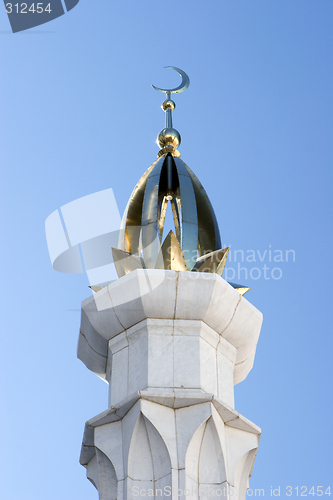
<point>112,320</point>
<point>171,345</point>
<point>152,446</point>
<point>170,355</point>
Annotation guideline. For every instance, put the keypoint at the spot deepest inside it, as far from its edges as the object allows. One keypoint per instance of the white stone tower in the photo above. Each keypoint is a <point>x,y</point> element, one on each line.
<point>172,338</point>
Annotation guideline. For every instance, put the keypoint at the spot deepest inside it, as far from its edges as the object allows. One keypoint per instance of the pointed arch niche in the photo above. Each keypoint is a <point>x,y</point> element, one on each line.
<point>149,465</point>
<point>204,463</point>
<point>102,475</point>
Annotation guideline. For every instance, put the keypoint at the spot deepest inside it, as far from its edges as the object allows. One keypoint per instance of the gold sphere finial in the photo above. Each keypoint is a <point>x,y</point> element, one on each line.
<point>168,104</point>
<point>169,136</point>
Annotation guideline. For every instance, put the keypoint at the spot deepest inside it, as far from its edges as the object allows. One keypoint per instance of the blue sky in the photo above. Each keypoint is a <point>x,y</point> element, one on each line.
<point>77,116</point>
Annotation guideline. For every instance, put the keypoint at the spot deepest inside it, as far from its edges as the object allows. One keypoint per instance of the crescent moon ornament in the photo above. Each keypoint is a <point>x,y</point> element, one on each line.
<point>183,86</point>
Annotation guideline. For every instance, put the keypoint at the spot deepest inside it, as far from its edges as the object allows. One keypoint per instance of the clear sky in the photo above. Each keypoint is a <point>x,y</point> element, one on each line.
<point>78,115</point>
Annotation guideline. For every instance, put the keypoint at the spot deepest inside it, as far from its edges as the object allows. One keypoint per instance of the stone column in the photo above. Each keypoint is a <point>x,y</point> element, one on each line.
<point>171,345</point>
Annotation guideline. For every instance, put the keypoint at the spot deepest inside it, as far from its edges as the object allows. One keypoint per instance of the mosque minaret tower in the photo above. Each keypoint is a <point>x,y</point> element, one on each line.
<point>172,338</point>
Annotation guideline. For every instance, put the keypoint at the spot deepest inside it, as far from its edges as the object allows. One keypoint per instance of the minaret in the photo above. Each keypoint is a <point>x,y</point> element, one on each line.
<point>172,338</point>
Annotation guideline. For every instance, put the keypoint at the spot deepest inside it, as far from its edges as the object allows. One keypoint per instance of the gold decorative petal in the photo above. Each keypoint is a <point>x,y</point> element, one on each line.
<point>96,288</point>
<point>125,262</point>
<point>241,289</point>
<point>213,262</point>
<point>223,262</point>
<point>171,255</point>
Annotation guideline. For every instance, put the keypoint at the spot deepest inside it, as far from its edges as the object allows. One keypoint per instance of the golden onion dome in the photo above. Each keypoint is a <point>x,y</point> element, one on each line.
<point>169,180</point>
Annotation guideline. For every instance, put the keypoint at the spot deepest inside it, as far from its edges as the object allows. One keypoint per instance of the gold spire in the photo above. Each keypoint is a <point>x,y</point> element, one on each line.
<point>169,138</point>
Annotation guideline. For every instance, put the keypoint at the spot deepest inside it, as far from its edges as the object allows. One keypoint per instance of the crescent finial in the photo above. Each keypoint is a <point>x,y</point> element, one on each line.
<point>183,86</point>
